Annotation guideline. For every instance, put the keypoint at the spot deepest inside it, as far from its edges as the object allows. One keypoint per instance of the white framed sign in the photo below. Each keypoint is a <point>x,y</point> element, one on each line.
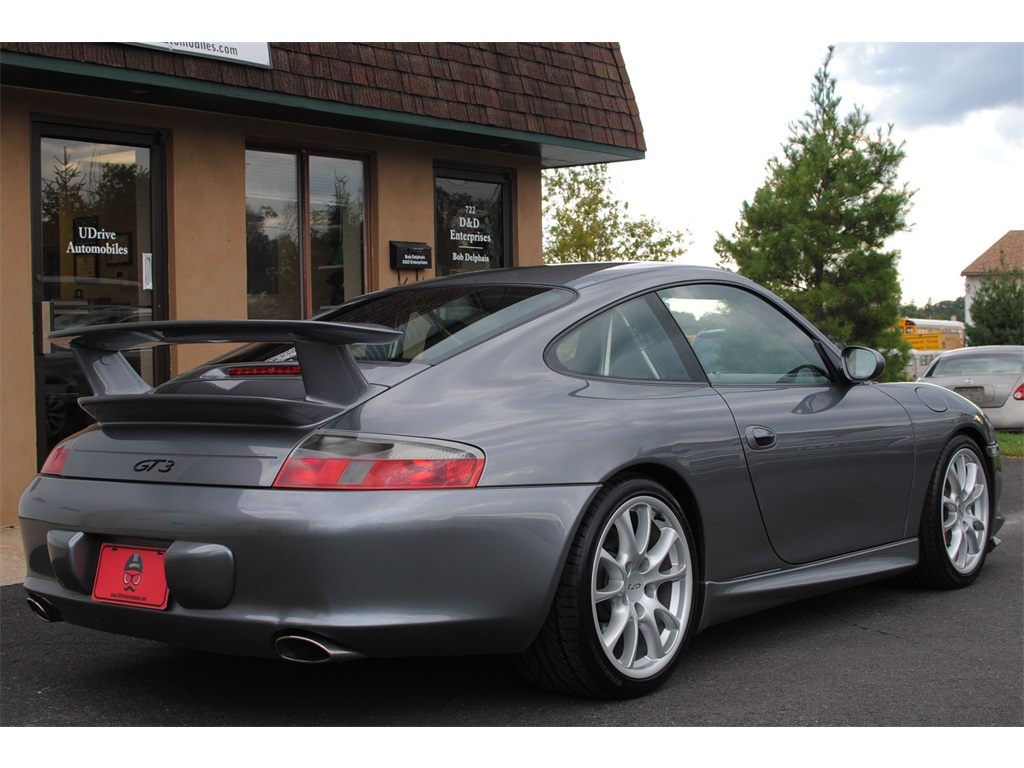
<point>257,54</point>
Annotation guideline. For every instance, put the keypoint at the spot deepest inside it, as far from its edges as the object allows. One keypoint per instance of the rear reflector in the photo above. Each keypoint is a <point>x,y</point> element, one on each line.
<point>345,462</point>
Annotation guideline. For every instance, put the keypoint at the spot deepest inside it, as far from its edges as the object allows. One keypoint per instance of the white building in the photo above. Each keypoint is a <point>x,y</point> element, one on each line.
<point>1008,248</point>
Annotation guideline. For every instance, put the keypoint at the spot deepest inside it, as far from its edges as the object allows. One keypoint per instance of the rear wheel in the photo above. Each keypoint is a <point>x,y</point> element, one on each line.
<point>625,606</point>
<point>956,518</point>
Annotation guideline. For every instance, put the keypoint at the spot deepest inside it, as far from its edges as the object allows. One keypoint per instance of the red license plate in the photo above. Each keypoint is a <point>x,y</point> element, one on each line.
<point>131,576</point>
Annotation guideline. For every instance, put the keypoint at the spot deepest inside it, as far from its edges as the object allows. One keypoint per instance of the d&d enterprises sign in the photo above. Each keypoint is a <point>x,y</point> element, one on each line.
<point>469,225</point>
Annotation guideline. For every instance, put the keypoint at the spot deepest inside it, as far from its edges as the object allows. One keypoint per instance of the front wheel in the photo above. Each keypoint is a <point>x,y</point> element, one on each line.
<point>956,518</point>
<point>626,603</point>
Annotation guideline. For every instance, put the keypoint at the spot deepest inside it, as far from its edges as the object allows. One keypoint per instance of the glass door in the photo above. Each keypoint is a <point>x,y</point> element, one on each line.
<point>471,215</point>
<point>96,262</point>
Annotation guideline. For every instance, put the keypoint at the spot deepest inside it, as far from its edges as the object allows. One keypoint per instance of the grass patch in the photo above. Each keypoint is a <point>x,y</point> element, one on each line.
<point>1011,444</point>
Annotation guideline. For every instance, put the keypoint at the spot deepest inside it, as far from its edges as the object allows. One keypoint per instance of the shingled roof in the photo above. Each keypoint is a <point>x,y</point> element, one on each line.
<point>1010,246</point>
<point>568,102</point>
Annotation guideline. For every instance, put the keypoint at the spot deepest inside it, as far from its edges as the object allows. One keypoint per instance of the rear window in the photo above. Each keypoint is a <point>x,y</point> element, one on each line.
<point>978,364</point>
<point>435,321</point>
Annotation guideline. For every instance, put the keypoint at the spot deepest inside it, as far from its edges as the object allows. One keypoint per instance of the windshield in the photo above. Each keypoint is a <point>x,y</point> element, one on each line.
<point>436,321</point>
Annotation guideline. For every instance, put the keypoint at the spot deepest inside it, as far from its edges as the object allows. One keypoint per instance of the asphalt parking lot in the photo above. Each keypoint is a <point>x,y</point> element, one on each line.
<point>887,654</point>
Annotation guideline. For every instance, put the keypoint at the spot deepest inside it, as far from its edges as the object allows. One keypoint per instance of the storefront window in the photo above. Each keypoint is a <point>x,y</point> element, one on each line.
<point>470,215</point>
<point>305,251</point>
<point>336,230</point>
<point>272,235</point>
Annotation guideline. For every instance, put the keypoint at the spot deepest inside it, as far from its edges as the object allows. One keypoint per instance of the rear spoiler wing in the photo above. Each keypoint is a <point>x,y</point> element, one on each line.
<point>330,375</point>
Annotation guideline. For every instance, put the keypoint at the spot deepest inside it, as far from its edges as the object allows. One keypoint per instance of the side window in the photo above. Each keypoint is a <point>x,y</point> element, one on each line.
<point>628,341</point>
<point>741,339</point>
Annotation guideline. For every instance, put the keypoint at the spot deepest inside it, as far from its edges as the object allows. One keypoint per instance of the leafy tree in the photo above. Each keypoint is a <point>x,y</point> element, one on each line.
<point>947,309</point>
<point>586,223</point>
<point>815,231</point>
<point>998,308</point>
<point>119,187</point>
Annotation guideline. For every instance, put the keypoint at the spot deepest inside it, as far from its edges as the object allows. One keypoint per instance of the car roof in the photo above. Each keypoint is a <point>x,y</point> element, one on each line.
<point>578,274</point>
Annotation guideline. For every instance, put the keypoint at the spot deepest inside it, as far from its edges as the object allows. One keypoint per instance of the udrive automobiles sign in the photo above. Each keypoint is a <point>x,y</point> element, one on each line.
<point>240,53</point>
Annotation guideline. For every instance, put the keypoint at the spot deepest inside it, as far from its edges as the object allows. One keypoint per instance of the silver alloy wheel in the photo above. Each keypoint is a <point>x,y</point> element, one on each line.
<point>642,586</point>
<point>965,511</point>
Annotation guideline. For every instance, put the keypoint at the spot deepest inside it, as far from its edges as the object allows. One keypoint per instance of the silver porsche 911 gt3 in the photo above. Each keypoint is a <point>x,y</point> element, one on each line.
<point>580,465</point>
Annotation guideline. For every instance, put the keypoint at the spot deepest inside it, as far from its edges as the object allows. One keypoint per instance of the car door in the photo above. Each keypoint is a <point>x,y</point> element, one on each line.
<point>831,463</point>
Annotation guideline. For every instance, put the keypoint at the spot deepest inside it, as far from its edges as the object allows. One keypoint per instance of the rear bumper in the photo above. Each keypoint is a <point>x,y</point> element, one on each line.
<point>1009,416</point>
<point>380,573</point>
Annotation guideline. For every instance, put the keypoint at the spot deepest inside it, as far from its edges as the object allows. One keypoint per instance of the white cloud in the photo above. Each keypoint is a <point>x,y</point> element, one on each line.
<point>936,83</point>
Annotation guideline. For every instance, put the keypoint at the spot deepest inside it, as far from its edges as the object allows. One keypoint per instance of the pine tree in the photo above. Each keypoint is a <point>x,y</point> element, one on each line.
<point>997,310</point>
<point>816,229</point>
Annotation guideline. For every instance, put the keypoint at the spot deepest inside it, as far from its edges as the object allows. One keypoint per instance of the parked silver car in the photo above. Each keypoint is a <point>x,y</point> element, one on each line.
<point>580,465</point>
<point>991,377</point>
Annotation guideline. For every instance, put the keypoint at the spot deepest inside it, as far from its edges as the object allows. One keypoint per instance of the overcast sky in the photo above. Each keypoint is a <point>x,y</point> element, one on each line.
<point>714,113</point>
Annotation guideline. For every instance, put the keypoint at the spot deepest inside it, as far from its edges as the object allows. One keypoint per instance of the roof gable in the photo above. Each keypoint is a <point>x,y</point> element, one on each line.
<point>1010,246</point>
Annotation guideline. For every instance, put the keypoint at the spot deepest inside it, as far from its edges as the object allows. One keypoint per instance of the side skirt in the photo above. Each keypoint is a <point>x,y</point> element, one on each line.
<point>728,600</point>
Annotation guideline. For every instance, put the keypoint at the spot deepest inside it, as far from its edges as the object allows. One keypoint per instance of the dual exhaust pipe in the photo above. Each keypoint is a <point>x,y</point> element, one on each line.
<point>299,647</point>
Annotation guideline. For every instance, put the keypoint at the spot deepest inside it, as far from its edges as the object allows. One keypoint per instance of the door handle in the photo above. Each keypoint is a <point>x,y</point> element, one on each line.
<point>760,438</point>
<point>45,326</point>
<point>147,271</point>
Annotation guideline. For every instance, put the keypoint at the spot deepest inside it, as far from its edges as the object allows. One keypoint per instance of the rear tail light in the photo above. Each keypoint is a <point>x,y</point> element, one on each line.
<point>370,462</point>
<point>54,463</point>
<point>1019,393</point>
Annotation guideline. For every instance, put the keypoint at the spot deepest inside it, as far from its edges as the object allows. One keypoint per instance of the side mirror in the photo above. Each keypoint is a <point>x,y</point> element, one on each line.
<point>862,364</point>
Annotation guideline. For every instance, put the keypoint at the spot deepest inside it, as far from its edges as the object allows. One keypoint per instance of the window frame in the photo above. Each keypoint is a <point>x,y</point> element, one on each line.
<point>684,348</point>
<point>303,154</point>
<point>504,178</point>
<point>827,364</point>
<point>672,331</point>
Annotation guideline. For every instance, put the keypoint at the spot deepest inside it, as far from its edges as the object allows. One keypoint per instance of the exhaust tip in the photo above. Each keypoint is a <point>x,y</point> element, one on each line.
<point>43,609</point>
<point>311,649</point>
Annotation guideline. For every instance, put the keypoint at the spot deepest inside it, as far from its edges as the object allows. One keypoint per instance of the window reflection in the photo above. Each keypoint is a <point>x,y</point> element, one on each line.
<point>336,231</point>
<point>304,256</point>
<point>272,235</point>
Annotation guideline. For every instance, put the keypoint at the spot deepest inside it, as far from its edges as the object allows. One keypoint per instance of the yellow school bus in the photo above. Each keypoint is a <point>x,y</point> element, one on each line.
<point>932,335</point>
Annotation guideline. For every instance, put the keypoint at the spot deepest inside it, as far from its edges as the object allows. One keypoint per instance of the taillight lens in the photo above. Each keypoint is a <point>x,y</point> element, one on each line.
<point>54,463</point>
<point>370,462</point>
<point>1019,394</point>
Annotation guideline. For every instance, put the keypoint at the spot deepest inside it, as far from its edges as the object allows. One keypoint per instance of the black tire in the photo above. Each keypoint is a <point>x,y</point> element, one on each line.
<point>956,518</point>
<point>642,597</point>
